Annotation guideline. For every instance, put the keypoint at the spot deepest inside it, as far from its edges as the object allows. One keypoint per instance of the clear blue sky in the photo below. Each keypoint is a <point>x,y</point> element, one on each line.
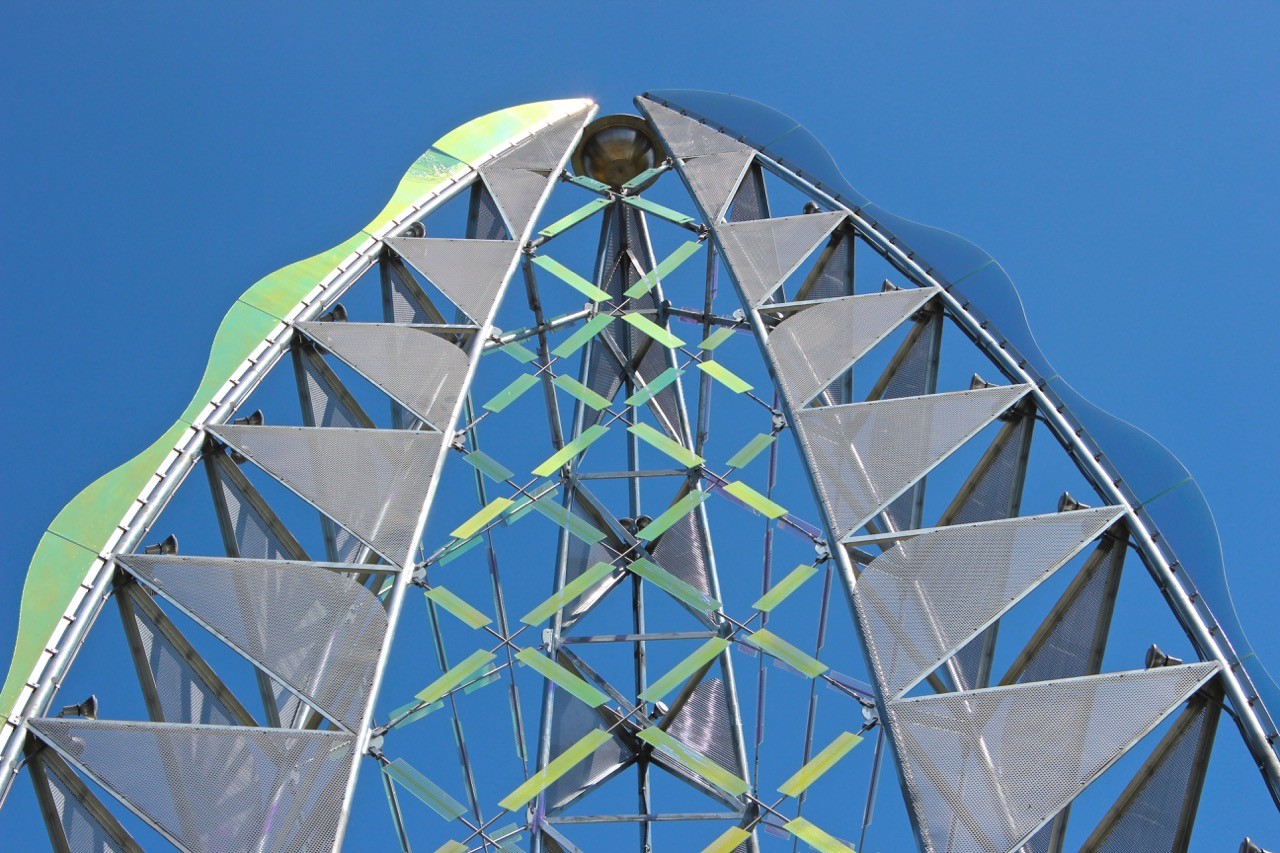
<point>1120,162</point>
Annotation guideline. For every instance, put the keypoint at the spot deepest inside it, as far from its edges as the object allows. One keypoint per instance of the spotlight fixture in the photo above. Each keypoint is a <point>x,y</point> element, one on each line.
<point>1066,503</point>
<point>614,149</point>
<point>168,547</point>
<point>1247,846</point>
<point>336,314</point>
<point>256,419</point>
<point>977,383</point>
<point>87,709</point>
<point>1157,658</point>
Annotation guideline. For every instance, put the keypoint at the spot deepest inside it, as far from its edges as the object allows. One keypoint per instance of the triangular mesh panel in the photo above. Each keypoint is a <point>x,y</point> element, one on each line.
<point>422,370</point>
<point>403,300</point>
<point>762,253</point>
<point>834,275</point>
<point>750,201</point>
<point>185,693</point>
<point>570,721</point>
<point>706,724</point>
<point>373,482</point>
<point>249,517</point>
<point>213,789</point>
<point>1152,810</point>
<point>685,137</point>
<point>985,768</point>
<point>485,220</point>
<point>469,272</point>
<point>866,454</point>
<point>85,824</point>
<point>814,346</point>
<point>517,192</point>
<point>913,376</point>
<point>316,630</point>
<point>714,178</point>
<point>682,551</point>
<point>545,150</point>
<point>922,599</point>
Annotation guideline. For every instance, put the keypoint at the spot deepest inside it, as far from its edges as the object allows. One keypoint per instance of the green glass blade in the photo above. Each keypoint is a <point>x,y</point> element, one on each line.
<point>565,223</point>
<point>672,585</point>
<point>578,339</point>
<point>519,352</point>
<point>507,838</point>
<point>673,513</point>
<point>589,183</point>
<point>455,605</point>
<point>575,524</point>
<point>724,376</point>
<point>483,681</point>
<point>409,715</point>
<point>486,514</point>
<point>755,500</point>
<point>571,278</point>
<point>679,673</point>
<point>562,677</point>
<point>560,765</point>
<point>576,389</point>
<point>452,847</point>
<point>716,338</point>
<point>652,389</point>
<point>695,761</point>
<point>457,549</point>
<point>664,269</point>
<point>751,450</point>
<point>511,393</point>
<point>424,789</point>
<point>653,330</point>
<point>770,643</point>
<point>727,841</point>
<point>815,838</point>
<point>487,465</point>
<point>456,675</point>
<point>783,588</point>
<point>561,457</point>
<point>819,764</point>
<point>661,441</point>
<point>568,593</point>
<point>658,210</point>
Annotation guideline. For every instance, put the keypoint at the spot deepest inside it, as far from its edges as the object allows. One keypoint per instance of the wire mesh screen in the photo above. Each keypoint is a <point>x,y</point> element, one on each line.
<point>864,455</point>
<point>77,809</point>
<point>922,599</point>
<point>319,631</point>
<point>420,369</point>
<point>372,482</point>
<point>682,551</point>
<point>544,150</point>
<point>750,201</point>
<point>184,693</point>
<point>705,724</point>
<point>253,533</point>
<point>215,789</point>
<point>762,253</point>
<point>811,348</point>
<point>714,179</point>
<point>487,217</point>
<point>570,721</point>
<point>469,272</point>
<point>986,768</point>
<point>686,137</point>
<point>516,193</point>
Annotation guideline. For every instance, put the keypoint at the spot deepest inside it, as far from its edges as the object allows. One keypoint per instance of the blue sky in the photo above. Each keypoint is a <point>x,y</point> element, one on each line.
<point>1118,161</point>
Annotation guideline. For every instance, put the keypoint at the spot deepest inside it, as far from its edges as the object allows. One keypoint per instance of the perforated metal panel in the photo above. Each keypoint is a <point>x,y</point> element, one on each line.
<point>705,724</point>
<point>866,454</point>
<point>215,789</point>
<point>925,597</point>
<point>762,253</point>
<point>420,369</point>
<point>682,551</point>
<point>713,179</point>
<point>833,277</point>
<point>684,136</point>
<point>750,201</point>
<point>402,298</point>
<point>184,692</point>
<point>469,272</point>
<point>373,482</point>
<point>812,347</point>
<point>517,192</point>
<point>319,631</point>
<point>545,149</point>
<point>570,721</point>
<point>1156,812</point>
<point>986,767</point>
<point>84,823</point>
